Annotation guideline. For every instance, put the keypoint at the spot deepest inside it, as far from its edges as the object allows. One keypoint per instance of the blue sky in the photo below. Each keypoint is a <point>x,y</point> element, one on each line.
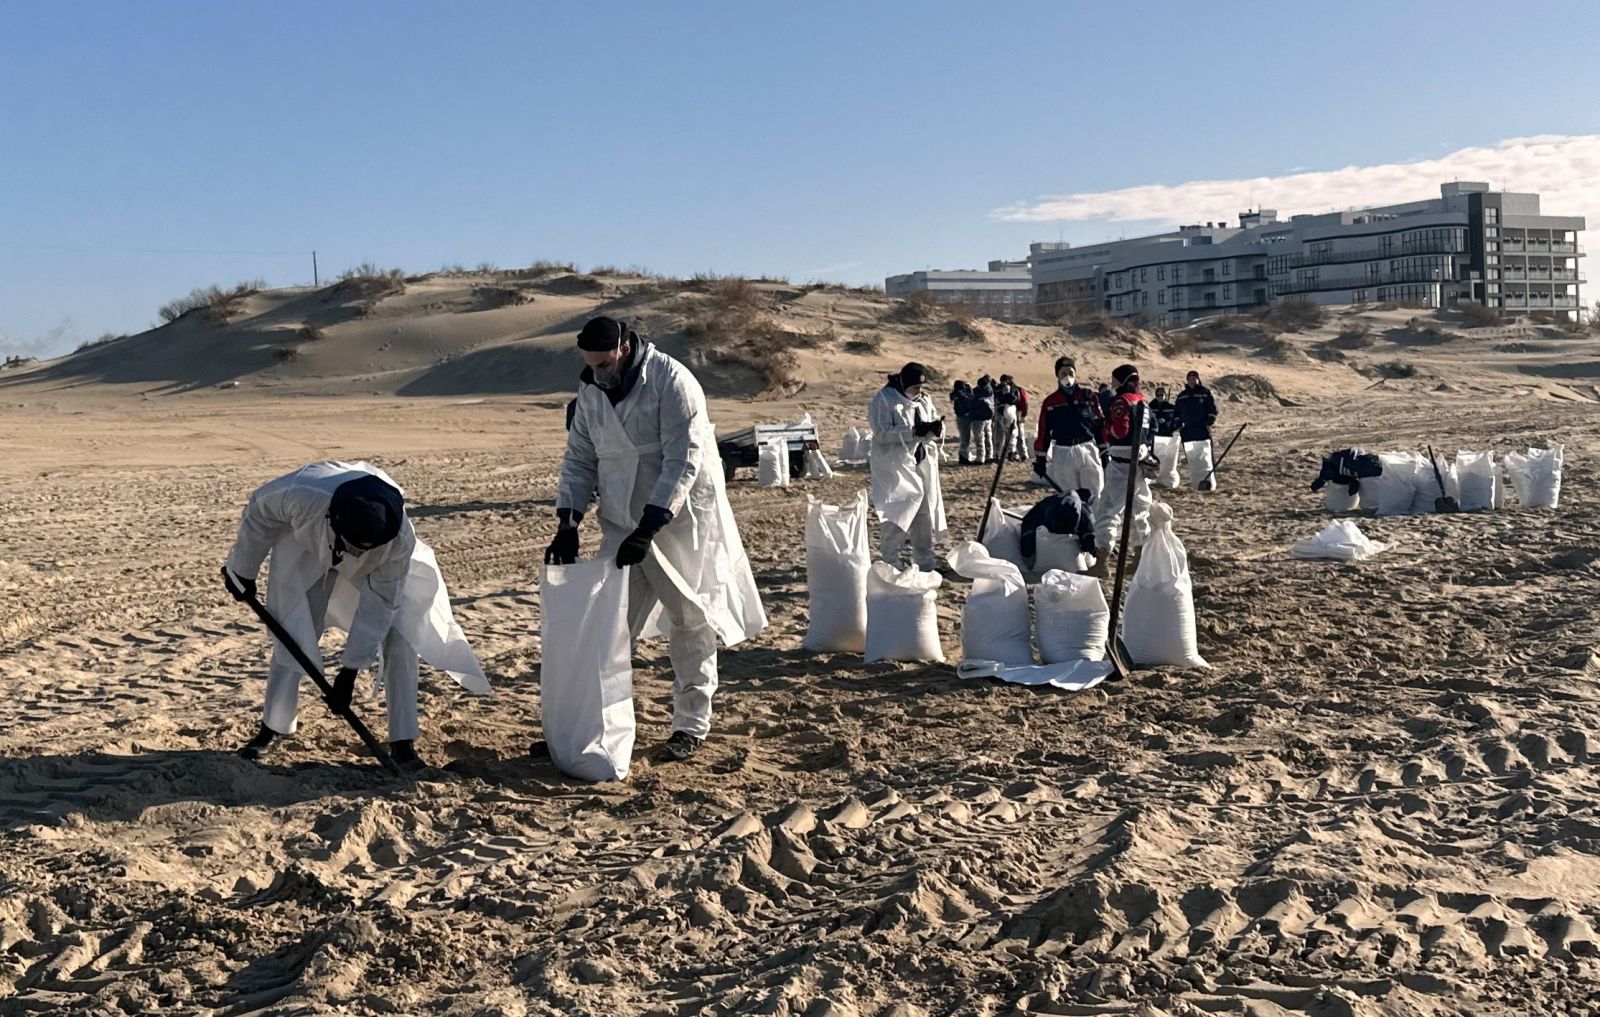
<point>149,148</point>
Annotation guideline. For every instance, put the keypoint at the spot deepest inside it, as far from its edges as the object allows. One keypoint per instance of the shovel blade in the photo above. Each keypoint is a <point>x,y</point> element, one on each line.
<point>1446,504</point>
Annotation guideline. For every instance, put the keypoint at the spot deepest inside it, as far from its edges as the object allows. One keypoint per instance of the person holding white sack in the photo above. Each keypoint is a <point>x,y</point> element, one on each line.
<point>905,469</point>
<point>344,555</point>
<point>642,442</point>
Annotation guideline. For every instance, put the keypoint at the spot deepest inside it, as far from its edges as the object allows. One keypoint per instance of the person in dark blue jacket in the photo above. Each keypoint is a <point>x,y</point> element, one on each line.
<point>1058,513</point>
<point>961,406</point>
<point>983,415</point>
<point>1196,410</point>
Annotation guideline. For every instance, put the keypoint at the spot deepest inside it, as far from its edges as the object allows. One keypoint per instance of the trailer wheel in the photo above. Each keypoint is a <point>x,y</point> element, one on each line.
<point>797,465</point>
<point>728,470</point>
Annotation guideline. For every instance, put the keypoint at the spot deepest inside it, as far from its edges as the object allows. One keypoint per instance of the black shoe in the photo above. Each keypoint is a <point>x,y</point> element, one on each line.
<point>682,745</point>
<point>539,749</point>
<point>258,746</point>
<point>404,754</point>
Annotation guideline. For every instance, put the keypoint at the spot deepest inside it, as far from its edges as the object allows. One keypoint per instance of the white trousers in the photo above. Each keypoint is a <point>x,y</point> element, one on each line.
<point>982,441</point>
<point>692,648</point>
<point>398,668</point>
<point>893,541</point>
<point>1108,507</point>
<point>1077,468</point>
<point>1009,429</point>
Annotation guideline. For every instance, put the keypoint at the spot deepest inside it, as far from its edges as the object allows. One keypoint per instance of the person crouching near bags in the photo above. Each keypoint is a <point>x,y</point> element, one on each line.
<point>1121,458</point>
<point>1067,449</point>
<point>642,442</point>
<point>344,555</point>
<point>905,469</point>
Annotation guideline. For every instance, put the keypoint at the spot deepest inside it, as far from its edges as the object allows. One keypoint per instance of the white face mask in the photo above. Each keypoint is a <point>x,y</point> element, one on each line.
<point>1067,381</point>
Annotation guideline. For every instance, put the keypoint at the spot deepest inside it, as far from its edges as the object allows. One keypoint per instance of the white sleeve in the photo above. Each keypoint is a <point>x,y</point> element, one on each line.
<point>580,471</point>
<point>680,414</point>
<point>380,602</point>
<point>273,510</point>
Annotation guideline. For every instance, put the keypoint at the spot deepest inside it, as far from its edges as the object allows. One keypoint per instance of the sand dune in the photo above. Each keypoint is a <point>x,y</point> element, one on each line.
<point>1380,801</point>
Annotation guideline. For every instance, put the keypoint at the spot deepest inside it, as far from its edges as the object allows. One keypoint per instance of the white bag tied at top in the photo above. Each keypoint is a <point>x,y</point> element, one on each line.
<point>994,620</point>
<point>1340,540</point>
<point>1536,476</point>
<point>903,614</point>
<point>1167,448</point>
<point>774,463</point>
<point>586,675</point>
<point>1158,619</point>
<point>837,560</point>
<point>1395,489</point>
<point>1479,479</point>
<point>1072,616</point>
<point>817,467</point>
<point>1002,535</point>
<point>1201,475</point>
<point>850,448</point>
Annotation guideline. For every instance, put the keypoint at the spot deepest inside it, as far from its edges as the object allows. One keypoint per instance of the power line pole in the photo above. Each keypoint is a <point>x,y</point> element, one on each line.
<point>315,279</point>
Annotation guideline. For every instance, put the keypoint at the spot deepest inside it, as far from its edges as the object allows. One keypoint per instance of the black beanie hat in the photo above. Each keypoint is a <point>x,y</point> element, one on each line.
<point>912,374</point>
<point>1062,363</point>
<point>366,512</point>
<point>602,335</point>
<point>1123,373</point>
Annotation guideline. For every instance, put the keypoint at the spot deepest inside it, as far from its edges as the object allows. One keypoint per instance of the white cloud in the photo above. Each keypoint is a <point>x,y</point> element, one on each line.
<point>1562,168</point>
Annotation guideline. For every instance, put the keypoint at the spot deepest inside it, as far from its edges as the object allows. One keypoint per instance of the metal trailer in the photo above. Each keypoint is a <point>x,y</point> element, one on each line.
<point>743,448</point>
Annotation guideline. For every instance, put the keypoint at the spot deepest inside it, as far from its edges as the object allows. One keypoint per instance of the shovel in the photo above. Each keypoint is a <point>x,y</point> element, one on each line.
<point>1115,651</point>
<point>999,468</point>
<point>315,672</point>
<point>1443,503</point>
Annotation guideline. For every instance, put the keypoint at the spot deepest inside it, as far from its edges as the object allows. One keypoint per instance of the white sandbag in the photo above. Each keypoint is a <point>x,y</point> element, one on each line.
<point>1002,534</point>
<point>1395,489</point>
<point>1198,453</point>
<point>1072,616</point>
<point>817,467</point>
<point>902,614</point>
<point>1425,484</point>
<point>837,560</point>
<point>1479,479</point>
<point>773,468</point>
<point>1167,448</point>
<point>850,448</point>
<point>1058,551</point>
<point>1158,619</point>
<point>1340,540</point>
<point>586,671</point>
<point>994,620</point>
<point>1337,497</point>
<point>1536,477</point>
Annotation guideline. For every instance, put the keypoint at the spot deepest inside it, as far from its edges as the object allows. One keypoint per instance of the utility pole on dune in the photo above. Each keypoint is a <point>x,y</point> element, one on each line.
<point>315,281</point>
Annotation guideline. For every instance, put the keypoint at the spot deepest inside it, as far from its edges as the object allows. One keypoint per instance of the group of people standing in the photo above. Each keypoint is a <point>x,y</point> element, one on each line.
<point>1083,448</point>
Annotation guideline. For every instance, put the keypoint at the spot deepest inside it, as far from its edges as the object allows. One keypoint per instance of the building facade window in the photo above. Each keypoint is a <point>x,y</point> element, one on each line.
<point>1227,268</point>
<point>1161,273</point>
<point>1227,291</point>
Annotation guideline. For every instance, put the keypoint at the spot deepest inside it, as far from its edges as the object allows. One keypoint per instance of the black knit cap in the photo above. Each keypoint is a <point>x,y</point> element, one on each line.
<point>602,335</point>
<point>366,512</point>
<point>913,374</point>
<point>1062,363</point>
<point>1123,373</point>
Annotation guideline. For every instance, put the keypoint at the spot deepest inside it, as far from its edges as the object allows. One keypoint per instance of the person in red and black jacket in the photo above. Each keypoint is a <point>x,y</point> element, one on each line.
<point>1117,433</point>
<point>1067,449</point>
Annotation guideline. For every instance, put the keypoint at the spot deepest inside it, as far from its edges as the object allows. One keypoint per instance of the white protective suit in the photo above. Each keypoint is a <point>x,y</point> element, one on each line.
<point>657,447</point>
<point>905,492</point>
<point>391,599</point>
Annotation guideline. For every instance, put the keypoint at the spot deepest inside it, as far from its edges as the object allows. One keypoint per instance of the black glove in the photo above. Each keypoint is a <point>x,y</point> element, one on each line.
<point>1105,456</point>
<point>1040,465</point>
<point>563,550</point>
<point>923,428</point>
<point>239,588</point>
<point>344,689</point>
<point>1086,544</point>
<point>637,544</point>
<point>938,428</point>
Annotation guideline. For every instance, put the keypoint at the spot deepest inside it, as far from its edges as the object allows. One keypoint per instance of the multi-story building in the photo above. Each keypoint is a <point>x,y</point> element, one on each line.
<point>1003,292</point>
<point>1469,244</point>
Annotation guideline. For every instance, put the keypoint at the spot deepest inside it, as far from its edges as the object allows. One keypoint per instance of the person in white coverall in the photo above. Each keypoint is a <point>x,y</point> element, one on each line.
<point>906,429</point>
<point>642,442</point>
<point>344,555</point>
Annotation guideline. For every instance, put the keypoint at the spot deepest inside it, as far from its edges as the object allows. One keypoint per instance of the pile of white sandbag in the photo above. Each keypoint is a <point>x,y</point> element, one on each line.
<point>1409,485</point>
<point>856,447</point>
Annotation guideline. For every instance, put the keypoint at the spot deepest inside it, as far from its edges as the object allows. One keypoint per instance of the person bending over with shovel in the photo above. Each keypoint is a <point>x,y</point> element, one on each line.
<point>344,555</point>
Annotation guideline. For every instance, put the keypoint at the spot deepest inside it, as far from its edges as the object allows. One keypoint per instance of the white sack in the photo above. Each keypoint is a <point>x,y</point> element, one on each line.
<point>1340,540</point>
<point>1167,448</point>
<point>994,620</point>
<point>1058,551</point>
<point>817,467</point>
<point>1198,453</point>
<point>1536,476</point>
<point>1002,534</point>
<point>1426,485</point>
<point>1158,620</point>
<point>1073,617</point>
<point>1337,497</point>
<point>902,614</point>
<point>1479,479</point>
<point>850,448</point>
<point>586,675</point>
<point>774,463</point>
<point>1394,490</point>
<point>837,560</point>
